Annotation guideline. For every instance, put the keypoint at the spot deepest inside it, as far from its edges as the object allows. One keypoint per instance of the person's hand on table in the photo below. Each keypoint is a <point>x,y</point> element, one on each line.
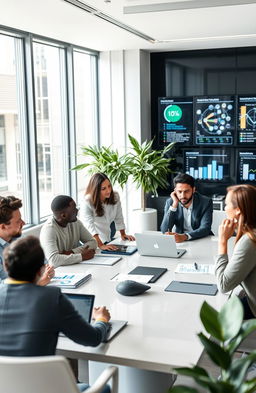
<point>101,314</point>
<point>87,253</point>
<point>127,237</point>
<point>180,237</point>
<point>47,275</point>
<point>109,247</point>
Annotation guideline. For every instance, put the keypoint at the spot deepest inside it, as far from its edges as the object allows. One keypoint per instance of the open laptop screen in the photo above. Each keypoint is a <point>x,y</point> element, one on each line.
<point>83,304</point>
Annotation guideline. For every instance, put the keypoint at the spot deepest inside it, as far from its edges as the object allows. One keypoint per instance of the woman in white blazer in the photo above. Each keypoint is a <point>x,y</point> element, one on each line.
<point>101,211</point>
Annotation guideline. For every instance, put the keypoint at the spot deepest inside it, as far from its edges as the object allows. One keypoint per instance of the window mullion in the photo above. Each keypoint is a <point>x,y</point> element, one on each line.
<point>33,195</point>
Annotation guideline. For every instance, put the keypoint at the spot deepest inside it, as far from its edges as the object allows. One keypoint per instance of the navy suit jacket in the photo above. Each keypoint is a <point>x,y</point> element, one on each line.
<point>32,316</point>
<point>201,218</point>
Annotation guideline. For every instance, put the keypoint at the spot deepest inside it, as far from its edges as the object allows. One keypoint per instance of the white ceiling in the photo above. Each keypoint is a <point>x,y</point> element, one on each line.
<point>210,27</point>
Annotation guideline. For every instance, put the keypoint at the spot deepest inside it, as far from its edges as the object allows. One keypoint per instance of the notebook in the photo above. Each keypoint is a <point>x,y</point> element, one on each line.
<point>197,288</point>
<point>121,250</point>
<point>84,305</point>
<point>99,259</point>
<point>157,245</point>
<point>156,272</point>
<point>69,280</point>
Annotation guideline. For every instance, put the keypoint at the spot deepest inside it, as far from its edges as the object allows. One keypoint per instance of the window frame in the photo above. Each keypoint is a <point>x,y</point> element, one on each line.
<point>26,109</point>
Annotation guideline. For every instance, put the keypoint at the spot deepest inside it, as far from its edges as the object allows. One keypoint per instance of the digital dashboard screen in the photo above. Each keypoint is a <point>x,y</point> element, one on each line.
<point>214,120</point>
<point>175,120</point>
<point>246,120</point>
<point>247,166</point>
<point>208,164</point>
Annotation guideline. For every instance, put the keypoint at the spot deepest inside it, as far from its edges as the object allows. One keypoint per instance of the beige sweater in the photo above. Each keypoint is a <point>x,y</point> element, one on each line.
<point>56,239</point>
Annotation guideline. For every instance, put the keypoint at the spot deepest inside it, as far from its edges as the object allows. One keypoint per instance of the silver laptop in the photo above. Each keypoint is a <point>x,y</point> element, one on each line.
<point>158,245</point>
<point>84,305</point>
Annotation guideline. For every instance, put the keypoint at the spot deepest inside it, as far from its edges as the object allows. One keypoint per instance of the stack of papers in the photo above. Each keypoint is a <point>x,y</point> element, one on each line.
<point>69,280</point>
<point>102,260</point>
<point>191,268</point>
<point>142,278</point>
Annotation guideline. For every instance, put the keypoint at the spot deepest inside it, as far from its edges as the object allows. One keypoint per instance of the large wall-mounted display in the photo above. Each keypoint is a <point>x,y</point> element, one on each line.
<point>210,165</point>
<point>175,119</point>
<point>246,168</point>
<point>214,120</point>
<point>246,120</point>
<point>222,85</point>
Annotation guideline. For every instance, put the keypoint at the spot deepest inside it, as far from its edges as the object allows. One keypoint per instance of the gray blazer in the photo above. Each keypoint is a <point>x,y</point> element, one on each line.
<point>201,218</point>
<point>32,316</point>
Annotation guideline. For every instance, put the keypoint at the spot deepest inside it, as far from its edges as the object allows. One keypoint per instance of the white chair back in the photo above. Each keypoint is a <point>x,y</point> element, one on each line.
<point>46,374</point>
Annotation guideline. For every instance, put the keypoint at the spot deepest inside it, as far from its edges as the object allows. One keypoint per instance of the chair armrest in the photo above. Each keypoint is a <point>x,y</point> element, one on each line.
<point>108,373</point>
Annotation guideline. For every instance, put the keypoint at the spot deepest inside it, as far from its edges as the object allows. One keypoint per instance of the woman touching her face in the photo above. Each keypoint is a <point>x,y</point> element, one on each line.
<point>240,267</point>
<point>101,212</point>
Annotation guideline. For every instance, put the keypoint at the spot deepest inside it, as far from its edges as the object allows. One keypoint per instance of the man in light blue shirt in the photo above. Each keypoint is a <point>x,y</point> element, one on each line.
<point>11,225</point>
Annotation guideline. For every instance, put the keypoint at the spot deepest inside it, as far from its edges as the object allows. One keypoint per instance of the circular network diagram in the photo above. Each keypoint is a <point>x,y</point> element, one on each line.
<point>215,119</point>
<point>251,117</point>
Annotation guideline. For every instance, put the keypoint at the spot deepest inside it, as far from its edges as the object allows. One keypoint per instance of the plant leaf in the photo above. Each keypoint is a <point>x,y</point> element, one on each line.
<point>209,318</point>
<point>218,355</point>
<point>231,317</point>
<point>247,328</point>
<point>239,368</point>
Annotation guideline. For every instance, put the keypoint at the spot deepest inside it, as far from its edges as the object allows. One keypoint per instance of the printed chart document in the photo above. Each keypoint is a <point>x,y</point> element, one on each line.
<point>194,268</point>
<point>143,278</point>
<point>100,259</point>
<point>69,280</point>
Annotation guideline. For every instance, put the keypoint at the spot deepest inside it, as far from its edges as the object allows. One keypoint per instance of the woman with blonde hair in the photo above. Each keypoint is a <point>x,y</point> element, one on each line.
<point>241,267</point>
<point>101,212</point>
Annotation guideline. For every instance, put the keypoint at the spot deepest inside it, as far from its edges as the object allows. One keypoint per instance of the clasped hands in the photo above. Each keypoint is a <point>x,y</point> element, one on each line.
<point>178,237</point>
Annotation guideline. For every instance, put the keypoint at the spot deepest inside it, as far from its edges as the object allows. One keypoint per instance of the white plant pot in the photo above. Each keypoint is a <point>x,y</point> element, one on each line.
<point>144,220</point>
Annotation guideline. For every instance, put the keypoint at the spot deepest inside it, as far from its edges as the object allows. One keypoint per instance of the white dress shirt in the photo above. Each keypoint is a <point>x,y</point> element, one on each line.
<point>187,213</point>
<point>101,225</point>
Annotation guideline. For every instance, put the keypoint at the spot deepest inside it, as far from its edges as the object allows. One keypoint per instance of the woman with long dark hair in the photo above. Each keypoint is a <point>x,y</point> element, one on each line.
<point>240,269</point>
<point>101,211</point>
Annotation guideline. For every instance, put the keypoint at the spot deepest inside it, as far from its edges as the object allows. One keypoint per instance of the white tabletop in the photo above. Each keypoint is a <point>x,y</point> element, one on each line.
<point>162,326</point>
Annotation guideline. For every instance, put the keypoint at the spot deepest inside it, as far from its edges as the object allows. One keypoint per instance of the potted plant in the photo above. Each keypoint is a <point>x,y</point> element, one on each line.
<point>149,170</point>
<point>106,160</point>
<point>227,331</point>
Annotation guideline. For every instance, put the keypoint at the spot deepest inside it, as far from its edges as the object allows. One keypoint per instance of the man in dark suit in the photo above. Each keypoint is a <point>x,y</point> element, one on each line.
<point>189,211</point>
<point>31,316</point>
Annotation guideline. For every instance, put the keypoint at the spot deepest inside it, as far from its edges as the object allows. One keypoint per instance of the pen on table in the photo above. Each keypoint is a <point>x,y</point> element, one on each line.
<point>196,266</point>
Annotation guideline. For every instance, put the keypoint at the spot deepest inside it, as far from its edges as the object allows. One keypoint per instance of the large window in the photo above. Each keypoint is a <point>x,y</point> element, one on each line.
<point>11,119</point>
<point>52,168</point>
<point>48,109</point>
<point>85,107</point>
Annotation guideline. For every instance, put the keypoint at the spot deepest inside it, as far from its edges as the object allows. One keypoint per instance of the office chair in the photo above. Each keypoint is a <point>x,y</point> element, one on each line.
<point>46,374</point>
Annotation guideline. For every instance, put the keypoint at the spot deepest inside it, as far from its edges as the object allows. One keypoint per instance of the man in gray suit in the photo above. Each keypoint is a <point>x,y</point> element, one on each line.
<point>189,211</point>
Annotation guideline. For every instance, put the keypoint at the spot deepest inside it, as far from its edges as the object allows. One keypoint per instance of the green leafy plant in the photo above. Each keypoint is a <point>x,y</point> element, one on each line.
<point>149,168</point>
<point>106,160</point>
<point>227,330</point>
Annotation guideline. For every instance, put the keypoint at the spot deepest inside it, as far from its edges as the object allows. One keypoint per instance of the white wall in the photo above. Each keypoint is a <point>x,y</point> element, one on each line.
<point>124,91</point>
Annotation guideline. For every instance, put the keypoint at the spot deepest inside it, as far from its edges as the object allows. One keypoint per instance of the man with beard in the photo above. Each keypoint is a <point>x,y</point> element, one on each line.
<point>189,211</point>
<point>63,237</point>
<point>11,225</point>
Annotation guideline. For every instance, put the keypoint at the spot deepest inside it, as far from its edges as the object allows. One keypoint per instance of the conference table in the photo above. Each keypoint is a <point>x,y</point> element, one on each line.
<point>162,326</point>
